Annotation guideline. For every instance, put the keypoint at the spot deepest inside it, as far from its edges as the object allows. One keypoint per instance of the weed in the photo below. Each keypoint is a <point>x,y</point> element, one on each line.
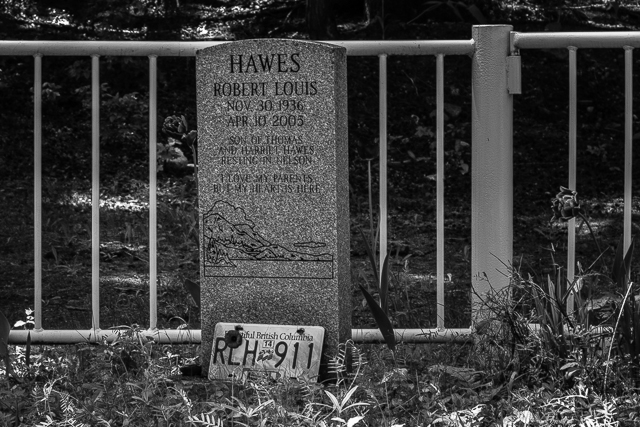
<point>132,381</point>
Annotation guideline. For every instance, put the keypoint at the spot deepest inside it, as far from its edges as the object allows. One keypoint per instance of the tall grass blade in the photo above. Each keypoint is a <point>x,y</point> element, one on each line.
<point>623,315</point>
<point>582,316</point>
<point>627,324</point>
<point>621,269</point>
<point>27,352</point>
<point>381,318</point>
<point>616,270</point>
<point>477,14</point>
<point>454,9</point>
<point>372,257</point>
<point>384,286</point>
<point>334,401</point>
<point>627,262</point>
<point>577,300</point>
<point>595,261</point>
<point>636,332</point>
<point>370,201</point>
<point>347,396</point>
<point>570,288</point>
<point>194,290</point>
<point>553,303</point>
<point>558,295</point>
<point>355,420</point>
<point>543,307</point>
<point>5,327</point>
<point>374,245</point>
<point>539,301</point>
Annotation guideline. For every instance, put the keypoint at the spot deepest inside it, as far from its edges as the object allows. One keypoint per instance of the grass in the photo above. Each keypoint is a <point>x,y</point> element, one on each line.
<point>140,384</point>
<point>507,374</point>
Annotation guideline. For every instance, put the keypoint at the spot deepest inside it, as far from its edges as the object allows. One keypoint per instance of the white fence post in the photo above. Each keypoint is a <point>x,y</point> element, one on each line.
<point>491,162</point>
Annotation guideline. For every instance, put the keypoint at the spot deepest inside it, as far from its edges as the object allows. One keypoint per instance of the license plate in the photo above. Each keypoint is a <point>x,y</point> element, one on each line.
<point>272,350</point>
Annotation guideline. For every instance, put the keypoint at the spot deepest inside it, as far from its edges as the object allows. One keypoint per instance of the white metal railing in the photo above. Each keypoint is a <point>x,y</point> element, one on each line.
<point>382,49</point>
<point>493,78</point>
<point>573,42</point>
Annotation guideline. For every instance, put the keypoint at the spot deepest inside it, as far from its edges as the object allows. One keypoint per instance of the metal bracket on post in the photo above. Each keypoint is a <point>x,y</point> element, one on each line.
<point>514,67</point>
<point>514,75</point>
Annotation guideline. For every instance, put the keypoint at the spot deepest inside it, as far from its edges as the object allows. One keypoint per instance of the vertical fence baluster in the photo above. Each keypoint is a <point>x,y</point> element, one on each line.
<point>95,191</point>
<point>153,267</point>
<point>628,142</point>
<point>383,159</point>
<point>573,103</point>
<point>37,190</point>
<point>440,189</point>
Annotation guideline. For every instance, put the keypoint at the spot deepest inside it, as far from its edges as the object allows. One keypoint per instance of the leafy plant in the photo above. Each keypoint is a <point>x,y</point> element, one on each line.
<point>208,420</point>
<point>627,327</point>
<point>27,324</point>
<point>339,406</point>
<point>380,311</point>
<point>347,358</point>
<point>550,305</point>
<point>240,411</point>
<point>626,331</point>
<point>341,365</point>
<point>564,348</point>
<point>373,231</point>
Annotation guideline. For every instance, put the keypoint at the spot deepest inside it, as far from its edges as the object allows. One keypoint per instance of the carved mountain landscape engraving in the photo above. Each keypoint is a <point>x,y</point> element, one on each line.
<point>233,248</point>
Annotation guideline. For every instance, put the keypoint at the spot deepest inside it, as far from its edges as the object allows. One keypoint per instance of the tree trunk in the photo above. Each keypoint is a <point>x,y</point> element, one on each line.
<point>321,22</point>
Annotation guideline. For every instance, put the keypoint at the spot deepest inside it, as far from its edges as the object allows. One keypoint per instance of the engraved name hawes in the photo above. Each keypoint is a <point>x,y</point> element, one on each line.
<point>267,63</point>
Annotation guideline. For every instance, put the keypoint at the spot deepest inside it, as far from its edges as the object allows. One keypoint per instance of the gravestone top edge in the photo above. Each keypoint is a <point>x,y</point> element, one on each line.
<point>236,44</point>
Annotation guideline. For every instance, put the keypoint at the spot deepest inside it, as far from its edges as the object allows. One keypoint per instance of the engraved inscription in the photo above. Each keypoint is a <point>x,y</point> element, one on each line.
<point>270,120</point>
<point>267,111</point>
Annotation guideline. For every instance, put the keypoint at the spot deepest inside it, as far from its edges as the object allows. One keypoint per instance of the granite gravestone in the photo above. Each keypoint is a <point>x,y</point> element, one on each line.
<point>273,187</point>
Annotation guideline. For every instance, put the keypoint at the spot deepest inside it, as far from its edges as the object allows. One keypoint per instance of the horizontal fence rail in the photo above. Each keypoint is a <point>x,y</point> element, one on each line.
<point>194,336</point>
<point>625,41</point>
<point>133,48</point>
<point>596,40</point>
<point>153,50</point>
